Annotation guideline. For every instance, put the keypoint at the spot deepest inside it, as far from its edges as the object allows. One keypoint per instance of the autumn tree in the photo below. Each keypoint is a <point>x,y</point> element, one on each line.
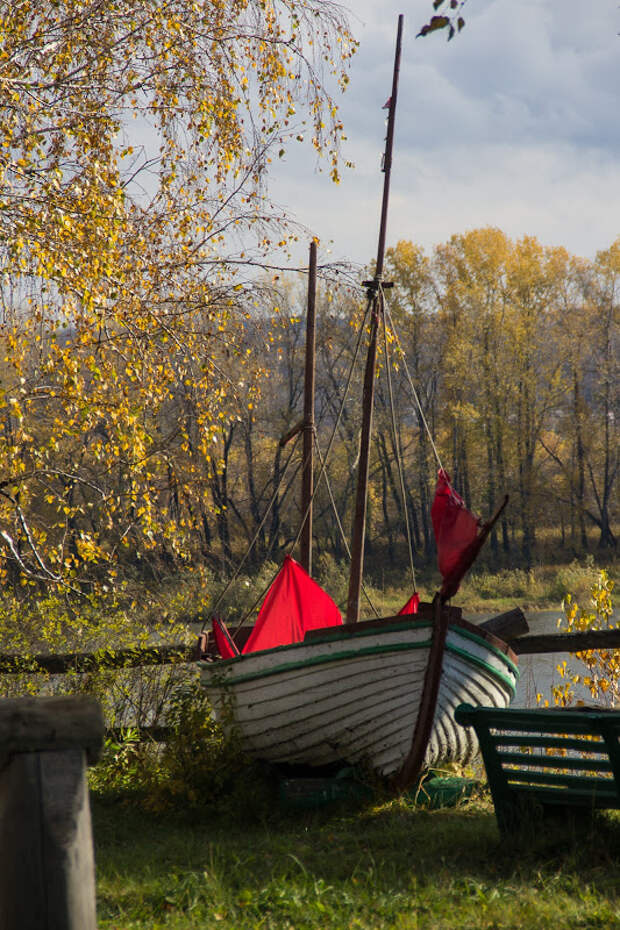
<point>537,387</point>
<point>605,394</point>
<point>477,362</point>
<point>136,145</point>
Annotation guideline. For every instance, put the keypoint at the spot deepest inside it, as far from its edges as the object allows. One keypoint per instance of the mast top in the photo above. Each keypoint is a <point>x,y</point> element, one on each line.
<point>387,158</point>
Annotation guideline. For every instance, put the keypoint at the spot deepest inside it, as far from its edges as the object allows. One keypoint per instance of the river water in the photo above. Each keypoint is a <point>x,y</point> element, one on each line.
<point>539,672</point>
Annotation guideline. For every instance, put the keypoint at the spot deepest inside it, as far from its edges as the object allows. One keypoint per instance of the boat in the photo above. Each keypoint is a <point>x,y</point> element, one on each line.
<point>378,694</point>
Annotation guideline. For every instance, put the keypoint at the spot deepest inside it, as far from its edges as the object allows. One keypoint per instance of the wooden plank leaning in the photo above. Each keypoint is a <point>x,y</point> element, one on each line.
<point>47,875</point>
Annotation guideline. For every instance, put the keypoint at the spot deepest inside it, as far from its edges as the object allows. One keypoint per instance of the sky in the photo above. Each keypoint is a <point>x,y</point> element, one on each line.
<point>515,123</point>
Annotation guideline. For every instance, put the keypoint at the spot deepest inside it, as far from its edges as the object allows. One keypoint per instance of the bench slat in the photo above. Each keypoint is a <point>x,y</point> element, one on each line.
<point>533,760</point>
<point>574,782</point>
<point>581,744</point>
<point>567,798</point>
<point>584,720</point>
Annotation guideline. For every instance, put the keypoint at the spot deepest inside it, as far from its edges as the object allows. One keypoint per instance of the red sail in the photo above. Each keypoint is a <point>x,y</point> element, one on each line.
<point>223,640</point>
<point>293,605</point>
<point>456,534</point>
<point>411,607</point>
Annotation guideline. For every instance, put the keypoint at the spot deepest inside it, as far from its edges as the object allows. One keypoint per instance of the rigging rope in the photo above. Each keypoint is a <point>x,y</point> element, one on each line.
<point>321,474</point>
<point>347,548</point>
<point>324,459</point>
<point>235,574</point>
<point>413,390</point>
<point>397,447</point>
<point>387,320</point>
<point>336,424</point>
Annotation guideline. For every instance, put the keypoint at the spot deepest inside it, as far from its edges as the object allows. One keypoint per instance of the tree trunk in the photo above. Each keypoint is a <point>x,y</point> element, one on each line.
<point>580,456</point>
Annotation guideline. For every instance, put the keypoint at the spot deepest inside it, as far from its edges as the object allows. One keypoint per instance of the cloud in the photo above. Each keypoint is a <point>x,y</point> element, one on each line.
<point>560,194</point>
<point>513,124</point>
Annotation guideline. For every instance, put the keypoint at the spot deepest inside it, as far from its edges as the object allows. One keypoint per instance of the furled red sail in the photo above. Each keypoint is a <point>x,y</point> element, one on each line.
<point>456,534</point>
<point>293,605</point>
<point>223,640</point>
<point>411,607</point>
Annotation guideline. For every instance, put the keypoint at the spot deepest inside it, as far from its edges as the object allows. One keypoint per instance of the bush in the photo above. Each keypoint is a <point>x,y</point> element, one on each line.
<point>575,580</point>
<point>333,576</point>
<point>598,670</point>
<point>536,585</point>
<point>200,764</point>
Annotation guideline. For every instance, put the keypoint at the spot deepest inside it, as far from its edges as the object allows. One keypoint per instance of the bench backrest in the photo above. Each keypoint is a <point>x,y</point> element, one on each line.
<point>561,756</point>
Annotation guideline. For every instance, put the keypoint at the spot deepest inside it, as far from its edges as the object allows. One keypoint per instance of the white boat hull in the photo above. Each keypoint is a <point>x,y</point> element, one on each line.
<point>356,698</point>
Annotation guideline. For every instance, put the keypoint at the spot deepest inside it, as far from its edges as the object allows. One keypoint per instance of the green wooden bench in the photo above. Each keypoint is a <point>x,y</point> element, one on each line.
<point>547,760</point>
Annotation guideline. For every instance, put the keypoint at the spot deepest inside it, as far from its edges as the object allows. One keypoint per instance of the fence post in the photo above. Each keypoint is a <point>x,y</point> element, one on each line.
<point>47,874</point>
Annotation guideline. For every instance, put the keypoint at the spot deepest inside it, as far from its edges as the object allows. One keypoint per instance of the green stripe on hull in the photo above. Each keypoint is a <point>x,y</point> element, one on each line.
<point>325,659</point>
<point>476,660</point>
<point>378,650</point>
<point>489,646</point>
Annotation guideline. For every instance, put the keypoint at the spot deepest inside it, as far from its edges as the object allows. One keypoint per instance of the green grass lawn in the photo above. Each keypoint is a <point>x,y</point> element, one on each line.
<point>388,865</point>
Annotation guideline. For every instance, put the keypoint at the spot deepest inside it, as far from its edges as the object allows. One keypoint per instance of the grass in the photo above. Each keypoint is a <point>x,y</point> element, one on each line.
<point>540,588</point>
<point>189,596</point>
<point>385,865</point>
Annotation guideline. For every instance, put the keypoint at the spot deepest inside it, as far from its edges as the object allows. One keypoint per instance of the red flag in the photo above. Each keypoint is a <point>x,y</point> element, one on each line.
<point>456,530</point>
<point>411,607</point>
<point>459,534</point>
<point>293,605</point>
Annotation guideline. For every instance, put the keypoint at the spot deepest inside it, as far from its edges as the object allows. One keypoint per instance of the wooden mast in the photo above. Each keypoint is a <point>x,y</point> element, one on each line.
<point>375,300</point>
<point>307,486</point>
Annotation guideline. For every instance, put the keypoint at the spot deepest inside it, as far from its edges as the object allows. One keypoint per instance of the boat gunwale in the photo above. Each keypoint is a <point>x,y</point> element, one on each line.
<point>395,622</point>
<point>364,627</point>
<point>379,649</point>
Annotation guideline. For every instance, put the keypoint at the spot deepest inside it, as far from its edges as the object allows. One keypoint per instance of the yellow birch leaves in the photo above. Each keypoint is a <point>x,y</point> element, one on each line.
<point>134,143</point>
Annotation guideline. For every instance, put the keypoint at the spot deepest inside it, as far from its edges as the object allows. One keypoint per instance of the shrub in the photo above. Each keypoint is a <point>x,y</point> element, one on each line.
<point>333,576</point>
<point>599,669</point>
<point>198,766</point>
<point>574,581</point>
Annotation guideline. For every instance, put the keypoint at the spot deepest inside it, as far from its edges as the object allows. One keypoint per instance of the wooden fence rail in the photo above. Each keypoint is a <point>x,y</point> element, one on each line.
<point>83,662</point>
<point>567,642</point>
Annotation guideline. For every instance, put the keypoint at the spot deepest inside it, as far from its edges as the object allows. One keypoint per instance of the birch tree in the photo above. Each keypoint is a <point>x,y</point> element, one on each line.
<point>136,141</point>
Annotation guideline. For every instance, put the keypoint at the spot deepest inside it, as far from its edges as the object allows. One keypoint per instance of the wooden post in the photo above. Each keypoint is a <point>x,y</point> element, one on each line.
<point>47,874</point>
<point>507,626</point>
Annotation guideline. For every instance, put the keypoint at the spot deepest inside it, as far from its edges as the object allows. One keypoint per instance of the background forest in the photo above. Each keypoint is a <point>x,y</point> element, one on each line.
<point>511,348</point>
<point>512,351</point>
